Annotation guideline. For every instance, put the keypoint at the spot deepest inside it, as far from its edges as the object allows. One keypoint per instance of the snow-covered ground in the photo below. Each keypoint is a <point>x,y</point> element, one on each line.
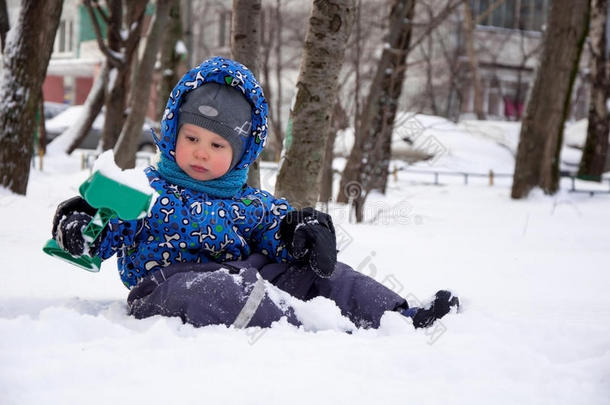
<point>532,276</point>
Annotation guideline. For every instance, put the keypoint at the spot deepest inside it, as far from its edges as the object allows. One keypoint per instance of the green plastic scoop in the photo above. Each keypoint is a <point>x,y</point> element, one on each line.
<point>111,199</point>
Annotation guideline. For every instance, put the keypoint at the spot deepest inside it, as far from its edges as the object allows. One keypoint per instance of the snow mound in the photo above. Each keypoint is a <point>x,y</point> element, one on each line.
<point>531,276</point>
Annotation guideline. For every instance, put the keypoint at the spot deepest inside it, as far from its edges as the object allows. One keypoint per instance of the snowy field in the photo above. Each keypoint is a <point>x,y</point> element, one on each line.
<point>532,275</point>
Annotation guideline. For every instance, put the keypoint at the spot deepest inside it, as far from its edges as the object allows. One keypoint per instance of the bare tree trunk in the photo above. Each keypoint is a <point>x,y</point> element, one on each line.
<point>593,159</point>
<point>28,49</point>
<point>188,33</point>
<point>266,44</point>
<point>171,58</point>
<point>473,60</point>
<point>451,56</point>
<point>326,174</point>
<point>392,89</point>
<point>537,162</point>
<point>338,121</point>
<point>127,144</point>
<point>119,51</point>
<point>368,162</point>
<point>278,129</point>
<point>357,63</point>
<point>428,53</point>
<point>116,97</point>
<point>330,25</point>
<point>245,46</point>
<point>115,94</point>
<point>4,24</point>
<point>42,131</point>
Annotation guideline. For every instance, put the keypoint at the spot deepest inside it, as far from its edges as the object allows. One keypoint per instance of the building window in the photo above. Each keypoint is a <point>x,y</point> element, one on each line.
<point>527,15</point>
<point>64,36</point>
<point>70,35</point>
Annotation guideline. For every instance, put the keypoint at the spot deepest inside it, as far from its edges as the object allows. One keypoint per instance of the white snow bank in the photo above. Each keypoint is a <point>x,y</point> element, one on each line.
<point>575,133</point>
<point>469,146</point>
<point>449,145</point>
<point>532,276</point>
<point>69,117</point>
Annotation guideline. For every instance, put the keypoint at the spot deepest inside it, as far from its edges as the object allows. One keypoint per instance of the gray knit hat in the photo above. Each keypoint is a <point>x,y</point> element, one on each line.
<point>222,110</point>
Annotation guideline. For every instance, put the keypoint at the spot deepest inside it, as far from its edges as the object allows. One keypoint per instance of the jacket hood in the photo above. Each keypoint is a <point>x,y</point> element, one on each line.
<point>223,71</point>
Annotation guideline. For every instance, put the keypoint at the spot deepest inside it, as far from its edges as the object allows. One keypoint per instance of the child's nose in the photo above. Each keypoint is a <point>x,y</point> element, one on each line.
<point>201,153</point>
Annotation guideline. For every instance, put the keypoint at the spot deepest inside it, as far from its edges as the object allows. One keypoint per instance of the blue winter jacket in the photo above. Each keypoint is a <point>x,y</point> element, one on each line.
<point>190,226</point>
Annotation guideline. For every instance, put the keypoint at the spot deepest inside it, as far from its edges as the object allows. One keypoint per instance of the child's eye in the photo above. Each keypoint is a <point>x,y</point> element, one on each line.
<point>217,145</point>
<point>191,138</point>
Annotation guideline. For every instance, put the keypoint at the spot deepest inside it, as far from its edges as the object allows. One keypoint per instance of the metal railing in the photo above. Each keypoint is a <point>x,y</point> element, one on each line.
<point>88,158</point>
<point>491,176</point>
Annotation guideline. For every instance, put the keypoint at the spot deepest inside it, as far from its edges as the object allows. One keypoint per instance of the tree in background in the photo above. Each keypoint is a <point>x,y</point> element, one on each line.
<point>25,59</point>
<point>367,165</point>
<point>272,27</point>
<point>330,25</point>
<point>124,29</point>
<point>110,85</point>
<point>338,121</point>
<point>127,144</point>
<point>477,86</point>
<point>245,44</point>
<point>173,57</point>
<point>593,161</point>
<point>537,161</point>
<point>470,21</point>
<point>4,23</point>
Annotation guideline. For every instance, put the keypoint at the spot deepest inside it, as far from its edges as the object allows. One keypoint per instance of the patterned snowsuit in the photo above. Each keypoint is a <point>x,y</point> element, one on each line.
<point>173,256</point>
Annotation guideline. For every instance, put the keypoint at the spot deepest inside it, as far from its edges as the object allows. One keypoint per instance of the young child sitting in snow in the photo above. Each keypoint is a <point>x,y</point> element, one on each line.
<point>209,238</point>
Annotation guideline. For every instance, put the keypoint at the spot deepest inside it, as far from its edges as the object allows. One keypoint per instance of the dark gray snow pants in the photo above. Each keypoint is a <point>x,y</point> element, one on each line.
<point>228,293</point>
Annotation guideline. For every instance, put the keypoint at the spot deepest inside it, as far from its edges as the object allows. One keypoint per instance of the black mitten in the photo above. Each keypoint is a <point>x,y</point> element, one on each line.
<point>69,234</point>
<point>310,238</point>
<point>69,207</point>
<point>71,217</point>
<point>443,301</point>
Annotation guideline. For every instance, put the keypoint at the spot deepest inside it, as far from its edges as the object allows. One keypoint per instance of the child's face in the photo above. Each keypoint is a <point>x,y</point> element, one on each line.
<point>201,153</point>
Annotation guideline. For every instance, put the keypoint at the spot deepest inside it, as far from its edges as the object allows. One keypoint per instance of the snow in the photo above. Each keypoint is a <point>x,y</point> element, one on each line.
<point>134,178</point>
<point>112,75</point>
<point>69,117</point>
<point>470,146</point>
<point>120,56</point>
<point>532,276</point>
<point>180,48</point>
<point>453,145</point>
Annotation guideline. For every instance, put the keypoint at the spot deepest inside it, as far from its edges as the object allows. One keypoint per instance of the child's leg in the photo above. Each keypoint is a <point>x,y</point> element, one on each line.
<point>359,297</point>
<point>201,295</point>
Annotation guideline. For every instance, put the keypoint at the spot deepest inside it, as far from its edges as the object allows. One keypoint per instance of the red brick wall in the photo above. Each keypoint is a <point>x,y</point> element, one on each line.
<point>53,89</point>
<point>83,85</point>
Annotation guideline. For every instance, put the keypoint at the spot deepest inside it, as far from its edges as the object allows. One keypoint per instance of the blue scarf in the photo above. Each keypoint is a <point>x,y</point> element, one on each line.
<point>226,186</point>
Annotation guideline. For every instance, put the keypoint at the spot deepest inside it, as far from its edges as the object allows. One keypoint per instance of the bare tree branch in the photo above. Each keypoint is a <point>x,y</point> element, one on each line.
<point>435,22</point>
<point>102,12</point>
<point>111,56</point>
<point>487,12</point>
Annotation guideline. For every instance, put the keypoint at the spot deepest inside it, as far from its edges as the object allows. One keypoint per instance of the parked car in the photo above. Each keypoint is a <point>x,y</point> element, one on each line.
<point>62,121</point>
<point>52,109</point>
